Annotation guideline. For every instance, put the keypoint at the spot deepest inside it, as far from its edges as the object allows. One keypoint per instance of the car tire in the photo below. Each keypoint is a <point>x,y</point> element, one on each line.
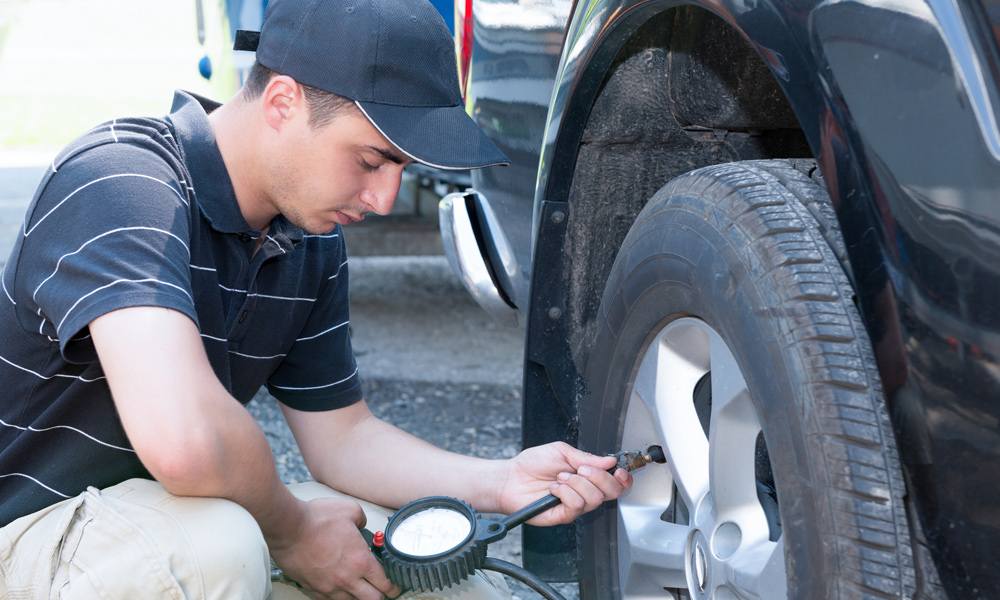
<point>728,335</point>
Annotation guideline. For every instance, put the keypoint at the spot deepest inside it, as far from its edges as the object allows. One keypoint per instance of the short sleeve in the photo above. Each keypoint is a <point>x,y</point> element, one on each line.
<point>109,230</point>
<point>320,373</point>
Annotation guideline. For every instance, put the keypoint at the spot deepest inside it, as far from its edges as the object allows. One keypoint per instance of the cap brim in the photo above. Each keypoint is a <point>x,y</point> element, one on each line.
<point>440,137</point>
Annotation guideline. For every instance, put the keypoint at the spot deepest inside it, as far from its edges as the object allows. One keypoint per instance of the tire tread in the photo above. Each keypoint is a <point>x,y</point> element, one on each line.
<point>797,256</point>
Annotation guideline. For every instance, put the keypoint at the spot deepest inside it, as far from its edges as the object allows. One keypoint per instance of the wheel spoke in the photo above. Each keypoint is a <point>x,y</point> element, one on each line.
<point>650,551</point>
<point>665,383</point>
<point>733,436</point>
<point>758,570</point>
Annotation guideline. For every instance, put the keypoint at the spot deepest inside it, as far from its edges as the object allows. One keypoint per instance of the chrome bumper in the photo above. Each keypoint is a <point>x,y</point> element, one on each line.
<point>464,251</point>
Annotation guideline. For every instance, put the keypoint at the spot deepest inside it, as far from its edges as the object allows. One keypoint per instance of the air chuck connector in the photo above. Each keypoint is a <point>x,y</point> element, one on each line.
<point>630,461</point>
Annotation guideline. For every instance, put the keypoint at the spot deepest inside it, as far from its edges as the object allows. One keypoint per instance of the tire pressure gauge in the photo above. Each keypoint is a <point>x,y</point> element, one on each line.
<point>436,542</point>
<point>433,543</point>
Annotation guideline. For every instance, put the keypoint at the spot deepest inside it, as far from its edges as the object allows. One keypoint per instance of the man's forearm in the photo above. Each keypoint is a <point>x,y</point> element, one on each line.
<point>383,464</point>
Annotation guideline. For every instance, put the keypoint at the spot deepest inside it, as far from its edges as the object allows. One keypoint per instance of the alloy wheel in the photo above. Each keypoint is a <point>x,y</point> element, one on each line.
<point>707,527</point>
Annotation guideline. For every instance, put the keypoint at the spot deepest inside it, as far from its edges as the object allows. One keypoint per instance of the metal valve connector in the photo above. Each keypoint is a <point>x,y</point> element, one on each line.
<point>630,461</point>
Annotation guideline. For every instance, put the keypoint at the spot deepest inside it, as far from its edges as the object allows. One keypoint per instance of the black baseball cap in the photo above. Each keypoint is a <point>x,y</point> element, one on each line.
<point>394,58</point>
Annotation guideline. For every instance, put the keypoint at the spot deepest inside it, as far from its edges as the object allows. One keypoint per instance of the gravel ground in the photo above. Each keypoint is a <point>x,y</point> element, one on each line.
<point>475,419</point>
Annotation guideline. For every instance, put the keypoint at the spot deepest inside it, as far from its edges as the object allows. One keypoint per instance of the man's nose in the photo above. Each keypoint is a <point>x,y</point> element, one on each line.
<point>382,197</point>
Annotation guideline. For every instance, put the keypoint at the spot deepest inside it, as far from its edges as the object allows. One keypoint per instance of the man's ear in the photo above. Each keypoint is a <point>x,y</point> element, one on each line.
<point>283,99</point>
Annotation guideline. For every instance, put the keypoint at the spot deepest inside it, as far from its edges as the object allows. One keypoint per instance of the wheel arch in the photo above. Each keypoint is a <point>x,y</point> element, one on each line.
<point>605,156</point>
<point>621,140</point>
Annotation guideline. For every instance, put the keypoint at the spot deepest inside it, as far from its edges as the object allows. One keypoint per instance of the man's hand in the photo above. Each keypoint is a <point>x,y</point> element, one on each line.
<point>328,556</point>
<point>577,478</point>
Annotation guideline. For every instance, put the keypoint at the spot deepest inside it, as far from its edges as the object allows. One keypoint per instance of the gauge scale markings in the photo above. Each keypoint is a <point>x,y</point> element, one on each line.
<point>431,531</point>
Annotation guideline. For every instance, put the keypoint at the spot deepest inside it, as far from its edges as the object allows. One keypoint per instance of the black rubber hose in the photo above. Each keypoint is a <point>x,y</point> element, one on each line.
<point>526,577</point>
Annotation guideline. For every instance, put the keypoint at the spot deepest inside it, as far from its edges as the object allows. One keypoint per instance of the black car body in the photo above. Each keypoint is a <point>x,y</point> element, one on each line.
<point>600,103</point>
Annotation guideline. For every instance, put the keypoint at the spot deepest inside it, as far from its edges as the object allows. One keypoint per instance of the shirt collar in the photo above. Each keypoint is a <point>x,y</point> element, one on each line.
<point>213,188</point>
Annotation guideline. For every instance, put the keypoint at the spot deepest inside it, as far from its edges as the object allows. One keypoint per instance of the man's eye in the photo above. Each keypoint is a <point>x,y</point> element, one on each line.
<point>368,166</point>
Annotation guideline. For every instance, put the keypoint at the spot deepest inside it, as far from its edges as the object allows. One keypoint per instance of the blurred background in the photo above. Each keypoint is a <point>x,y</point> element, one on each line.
<point>68,65</point>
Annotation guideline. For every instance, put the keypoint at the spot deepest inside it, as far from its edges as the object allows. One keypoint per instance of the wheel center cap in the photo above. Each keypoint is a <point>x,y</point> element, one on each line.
<point>699,566</point>
<point>699,562</point>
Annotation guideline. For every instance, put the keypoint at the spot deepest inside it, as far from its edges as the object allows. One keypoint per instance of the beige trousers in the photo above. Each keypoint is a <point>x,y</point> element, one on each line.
<point>136,540</point>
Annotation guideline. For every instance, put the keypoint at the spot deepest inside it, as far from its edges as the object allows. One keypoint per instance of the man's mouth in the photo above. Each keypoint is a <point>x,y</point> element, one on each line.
<point>347,218</point>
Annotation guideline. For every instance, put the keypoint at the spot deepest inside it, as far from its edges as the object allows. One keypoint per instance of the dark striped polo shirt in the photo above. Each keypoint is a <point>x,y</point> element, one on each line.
<point>141,212</point>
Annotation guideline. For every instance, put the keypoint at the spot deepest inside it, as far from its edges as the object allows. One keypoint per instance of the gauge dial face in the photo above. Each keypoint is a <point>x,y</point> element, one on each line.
<point>431,531</point>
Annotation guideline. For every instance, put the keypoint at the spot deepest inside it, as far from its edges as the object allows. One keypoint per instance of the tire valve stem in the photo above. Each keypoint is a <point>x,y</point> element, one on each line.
<point>630,461</point>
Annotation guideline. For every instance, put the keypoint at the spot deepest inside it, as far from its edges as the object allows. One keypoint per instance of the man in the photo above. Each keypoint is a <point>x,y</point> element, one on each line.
<point>170,267</point>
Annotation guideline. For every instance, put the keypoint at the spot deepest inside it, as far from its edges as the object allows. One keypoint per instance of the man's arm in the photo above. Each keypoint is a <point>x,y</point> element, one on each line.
<point>197,440</point>
<point>354,452</point>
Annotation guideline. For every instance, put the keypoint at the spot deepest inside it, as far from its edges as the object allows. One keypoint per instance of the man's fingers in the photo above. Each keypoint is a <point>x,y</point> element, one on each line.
<point>610,485</point>
<point>376,577</point>
<point>578,458</point>
<point>358,514</point>
<point>589,488</point>
<point>593,496</point>
<point>393,591</point>
<point>578,494</point>
<point>363,589</point>
<point>366,590</point>
<point>373,584</point>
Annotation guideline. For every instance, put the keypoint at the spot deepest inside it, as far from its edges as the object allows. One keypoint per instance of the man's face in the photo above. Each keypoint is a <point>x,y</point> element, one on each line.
<point>334,174</point>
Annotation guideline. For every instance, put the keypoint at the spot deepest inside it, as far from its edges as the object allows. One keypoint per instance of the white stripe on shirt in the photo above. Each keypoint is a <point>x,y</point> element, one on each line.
<point>115,282</point>
<point>4,284</point>
<point>93,239</point>
<point>302,339</point>
<point>256,357</point>
<point>281,298</point>
<point>334,276</point>
<point>269,297</point>
<point>81,432</point>
<point>27,232</point>
<point>40,376</point>
<point>283,251</point>
<point>36,481</point>
<point>318,387</point>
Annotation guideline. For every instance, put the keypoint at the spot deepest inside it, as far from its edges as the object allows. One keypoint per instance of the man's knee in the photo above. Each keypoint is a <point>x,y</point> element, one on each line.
<point>213,547</point>
<point>230,550</point>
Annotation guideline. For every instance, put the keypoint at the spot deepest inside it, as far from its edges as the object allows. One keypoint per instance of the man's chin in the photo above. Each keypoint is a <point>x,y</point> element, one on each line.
<point>325,230</point>
<point>326,226</point>
<point>316,227</point>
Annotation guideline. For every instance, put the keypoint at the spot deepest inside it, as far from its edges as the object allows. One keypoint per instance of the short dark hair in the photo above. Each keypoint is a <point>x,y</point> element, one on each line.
<point>323,106</point>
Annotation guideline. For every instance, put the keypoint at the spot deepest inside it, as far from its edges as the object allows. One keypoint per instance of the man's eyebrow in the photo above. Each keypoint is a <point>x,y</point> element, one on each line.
<point>387,154</point>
